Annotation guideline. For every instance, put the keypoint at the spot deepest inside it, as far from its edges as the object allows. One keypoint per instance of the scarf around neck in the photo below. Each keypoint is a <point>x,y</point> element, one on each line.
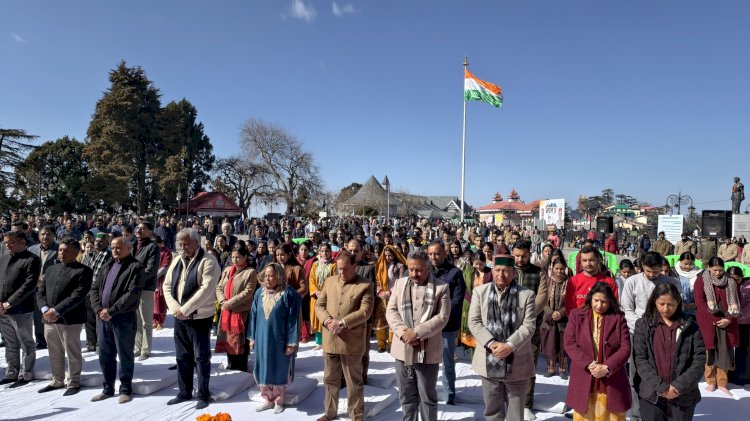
<point>501,322</point>
<point>406,312</point>
<point>733,302</point>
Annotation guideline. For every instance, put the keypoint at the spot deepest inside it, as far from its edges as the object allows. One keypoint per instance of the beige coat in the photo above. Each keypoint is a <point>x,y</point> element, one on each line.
<point>728,253</point>
<point>201,304</point>
<point>662,247</point>
<point>745,260</point>
<point>523,363</point>
<point>684,247</point>
<point>351,302</point>
<point>429,331</point>
<point>243,289</point>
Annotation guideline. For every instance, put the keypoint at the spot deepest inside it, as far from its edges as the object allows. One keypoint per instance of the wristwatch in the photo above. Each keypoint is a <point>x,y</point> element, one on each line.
<point>7,305</point>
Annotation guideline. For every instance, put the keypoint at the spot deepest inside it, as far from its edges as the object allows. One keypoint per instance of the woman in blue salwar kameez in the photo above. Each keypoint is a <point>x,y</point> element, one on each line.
<point>273,332</point>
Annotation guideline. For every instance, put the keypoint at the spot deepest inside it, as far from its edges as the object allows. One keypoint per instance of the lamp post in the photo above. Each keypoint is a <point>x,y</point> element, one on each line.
<point>678,200</point>
<point>387,185</point>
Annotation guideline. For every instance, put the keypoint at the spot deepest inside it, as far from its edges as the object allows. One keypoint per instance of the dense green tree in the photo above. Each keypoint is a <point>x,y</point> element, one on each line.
<point>52,177</point>
<point>14,145</point>
<point>123,138</point>
<point>184,142</point>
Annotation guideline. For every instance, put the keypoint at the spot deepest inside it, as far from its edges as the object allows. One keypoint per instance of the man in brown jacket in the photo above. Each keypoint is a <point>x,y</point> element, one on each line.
<point>344,305</point>
<point>662,245</point>
<point>418,310</point>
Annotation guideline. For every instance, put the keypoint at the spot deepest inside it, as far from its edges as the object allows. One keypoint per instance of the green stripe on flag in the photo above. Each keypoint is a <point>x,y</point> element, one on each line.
<point>474,95</point>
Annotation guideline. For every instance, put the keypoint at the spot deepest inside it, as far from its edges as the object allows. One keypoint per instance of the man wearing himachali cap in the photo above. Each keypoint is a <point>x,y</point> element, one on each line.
<point>502,318</point>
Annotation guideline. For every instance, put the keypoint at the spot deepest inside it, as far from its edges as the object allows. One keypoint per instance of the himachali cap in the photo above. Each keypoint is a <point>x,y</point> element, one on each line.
<point>101,235</point>
<point>503,260</point>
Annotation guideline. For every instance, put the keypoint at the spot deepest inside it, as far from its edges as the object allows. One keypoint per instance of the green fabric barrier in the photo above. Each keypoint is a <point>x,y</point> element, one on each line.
<point>672,259</point>
<point>611,261</point>
<point>745,268</point>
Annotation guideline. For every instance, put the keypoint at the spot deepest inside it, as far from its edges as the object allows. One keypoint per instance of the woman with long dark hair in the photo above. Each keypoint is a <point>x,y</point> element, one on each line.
<point>555,319</point>
<point>597,341</point>
<point>475,275</point>
<point>234,294</point>
<point>718,307</point>
<point>687,274</point>
<point>669,357</point>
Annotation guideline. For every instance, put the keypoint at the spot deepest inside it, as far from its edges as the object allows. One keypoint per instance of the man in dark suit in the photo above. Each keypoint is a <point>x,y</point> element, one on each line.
<point>47,252</point>
<point>148,254</point>
<point>21,271</point>
<point>61,298</point>
<point>114,297</point>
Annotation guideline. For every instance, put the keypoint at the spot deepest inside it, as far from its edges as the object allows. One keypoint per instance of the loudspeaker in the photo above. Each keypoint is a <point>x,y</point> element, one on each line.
<point>716,223</point>
<point>605,224</point>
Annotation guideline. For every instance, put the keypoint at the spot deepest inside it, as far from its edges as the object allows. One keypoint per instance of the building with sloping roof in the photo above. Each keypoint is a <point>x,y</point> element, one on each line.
<point>513,211</point>
<point>373,195</point>
<point>210,204</point>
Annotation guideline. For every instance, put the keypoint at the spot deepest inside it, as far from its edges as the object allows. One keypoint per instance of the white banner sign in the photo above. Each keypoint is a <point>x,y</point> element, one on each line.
<point>672,227</point>
<point>552,212</point>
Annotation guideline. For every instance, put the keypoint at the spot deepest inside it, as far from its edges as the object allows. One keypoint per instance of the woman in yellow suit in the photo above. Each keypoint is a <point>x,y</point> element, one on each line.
<point>324,267</point>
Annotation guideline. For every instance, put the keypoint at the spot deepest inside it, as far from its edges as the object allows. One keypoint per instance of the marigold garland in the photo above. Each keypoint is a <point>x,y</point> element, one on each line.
<point>221,416</point>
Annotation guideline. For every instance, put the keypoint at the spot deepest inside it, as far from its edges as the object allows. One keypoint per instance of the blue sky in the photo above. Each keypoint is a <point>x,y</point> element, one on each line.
<point>645,97</point>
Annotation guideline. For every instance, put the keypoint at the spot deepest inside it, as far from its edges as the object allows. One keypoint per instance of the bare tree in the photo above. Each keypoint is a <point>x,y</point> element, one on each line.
<point>244,182</point>
<point>284,158</point>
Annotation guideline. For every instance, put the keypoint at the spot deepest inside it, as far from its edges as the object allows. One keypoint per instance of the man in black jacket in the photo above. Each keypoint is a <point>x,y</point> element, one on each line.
<point>21,270</point>
<point>443,270</point>
<point>114,297</point>
<point>146,252</point>
<point>61,298</point>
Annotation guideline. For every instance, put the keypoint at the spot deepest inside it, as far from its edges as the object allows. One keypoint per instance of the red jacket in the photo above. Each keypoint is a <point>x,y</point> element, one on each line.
<point>614,353</point>
<point>610,245</point>
<point>706,320</point>
<point>580,285</point>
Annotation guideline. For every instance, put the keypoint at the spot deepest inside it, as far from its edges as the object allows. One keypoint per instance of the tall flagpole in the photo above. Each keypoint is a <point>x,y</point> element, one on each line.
<point>463,149</point>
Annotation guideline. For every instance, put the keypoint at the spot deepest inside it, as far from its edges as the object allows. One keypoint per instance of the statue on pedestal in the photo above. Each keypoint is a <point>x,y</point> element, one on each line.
<point>738,195</point>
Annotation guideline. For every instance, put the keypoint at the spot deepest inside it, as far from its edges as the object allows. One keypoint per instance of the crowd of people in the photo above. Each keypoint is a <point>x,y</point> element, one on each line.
<point>636,341</point>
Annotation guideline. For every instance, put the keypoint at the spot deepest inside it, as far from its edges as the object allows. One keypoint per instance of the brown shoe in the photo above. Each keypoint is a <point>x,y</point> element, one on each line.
<point>324,418</point>
<point>124,399</point>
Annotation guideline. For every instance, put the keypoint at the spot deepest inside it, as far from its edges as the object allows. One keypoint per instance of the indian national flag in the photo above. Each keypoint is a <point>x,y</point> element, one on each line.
<point>476,89</point>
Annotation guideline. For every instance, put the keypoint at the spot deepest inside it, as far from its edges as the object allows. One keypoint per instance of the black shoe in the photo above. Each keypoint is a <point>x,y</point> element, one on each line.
<point>176,400</point>
<point>563,376</point>
<point>173,367</point>
<point>49,388</point>
<point>90,348</point>
<point>381,350</point>
<point>548,374</point>
<point>451,399</point>
<point>41,346</point>
<point>19,383</point>
<point>2,344</point>
<point>71,391</point>
<point>201,404</point>
<point>7,381</point>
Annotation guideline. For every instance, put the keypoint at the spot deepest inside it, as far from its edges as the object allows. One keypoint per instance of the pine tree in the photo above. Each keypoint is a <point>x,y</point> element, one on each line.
<point>123,138</point>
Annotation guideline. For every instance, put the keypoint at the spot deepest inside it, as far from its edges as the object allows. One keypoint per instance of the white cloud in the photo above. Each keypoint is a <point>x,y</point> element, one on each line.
<point>301,11</point>
<point>341,10</point>
<point>18,38</point>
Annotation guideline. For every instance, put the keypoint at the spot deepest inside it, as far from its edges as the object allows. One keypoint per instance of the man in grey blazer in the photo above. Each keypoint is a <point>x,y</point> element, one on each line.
<point>502,318</point>
<point>46,249</point>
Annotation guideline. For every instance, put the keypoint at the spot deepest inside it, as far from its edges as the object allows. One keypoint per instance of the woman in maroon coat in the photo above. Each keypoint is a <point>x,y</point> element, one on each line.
<point>717,309</point>
<point>597,341</point>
